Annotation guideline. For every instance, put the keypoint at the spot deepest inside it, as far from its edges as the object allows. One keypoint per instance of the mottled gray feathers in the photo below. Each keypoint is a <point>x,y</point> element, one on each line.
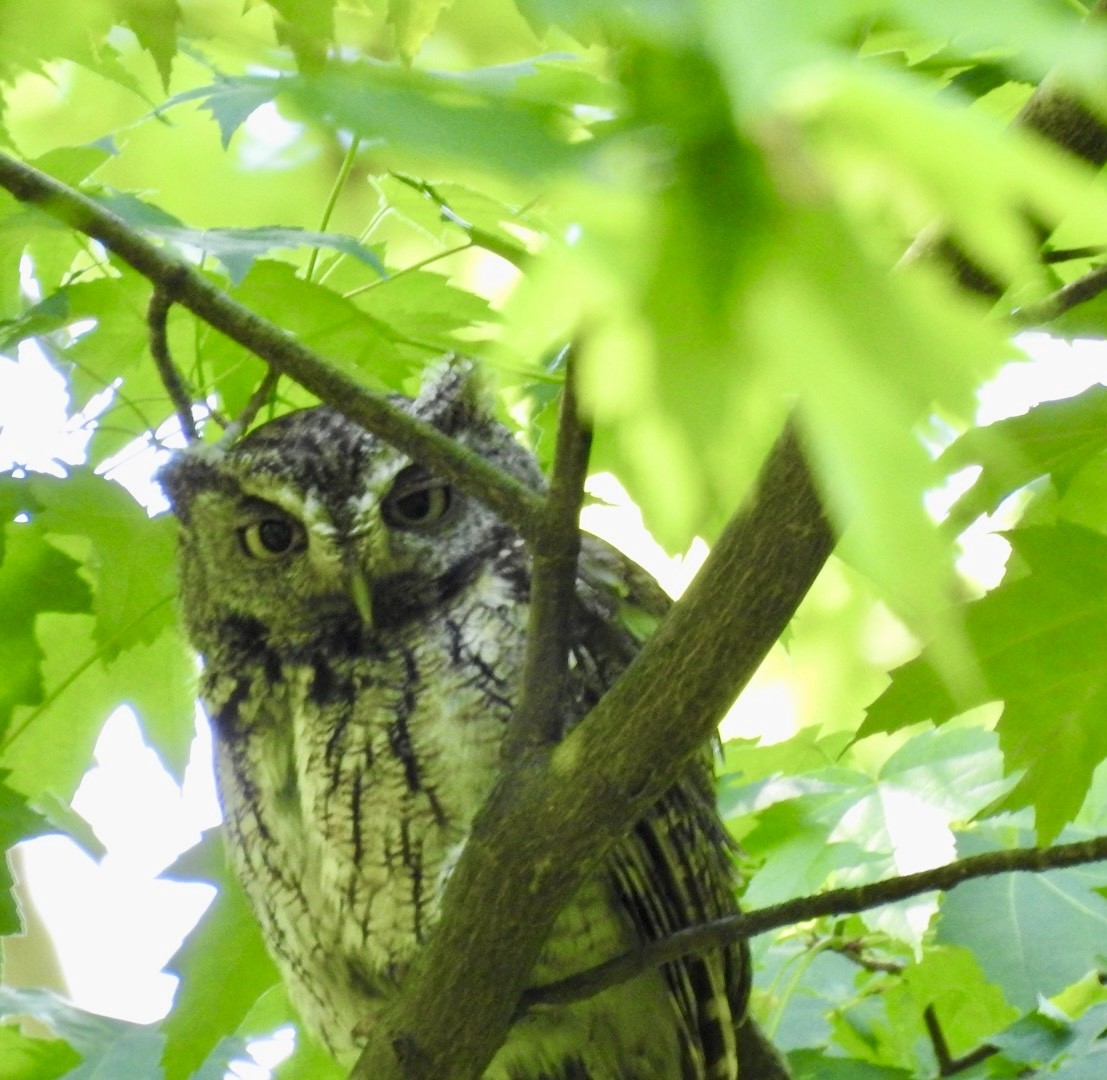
<point>362,631</point>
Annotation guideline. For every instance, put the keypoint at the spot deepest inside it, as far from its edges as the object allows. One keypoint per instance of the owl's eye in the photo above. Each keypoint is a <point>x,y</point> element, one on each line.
<point>271,538</point>
<point>416,500</point>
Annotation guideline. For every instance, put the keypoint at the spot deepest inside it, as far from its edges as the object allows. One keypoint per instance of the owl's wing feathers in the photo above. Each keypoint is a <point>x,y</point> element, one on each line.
<point>674,869</point>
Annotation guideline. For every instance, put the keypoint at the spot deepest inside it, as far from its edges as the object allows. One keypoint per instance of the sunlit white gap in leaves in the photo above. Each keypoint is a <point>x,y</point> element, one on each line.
<point>115,923</point>
<point>1056,369</point>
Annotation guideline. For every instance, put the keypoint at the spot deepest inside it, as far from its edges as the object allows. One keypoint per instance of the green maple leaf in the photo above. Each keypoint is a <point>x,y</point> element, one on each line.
<point>1039,645</point>
<point>1056,438</point>
<point>34,577</point>
<point>208,1004</point>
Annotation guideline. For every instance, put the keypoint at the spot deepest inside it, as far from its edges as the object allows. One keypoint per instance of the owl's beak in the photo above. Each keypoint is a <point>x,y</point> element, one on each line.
<point>359,593</point>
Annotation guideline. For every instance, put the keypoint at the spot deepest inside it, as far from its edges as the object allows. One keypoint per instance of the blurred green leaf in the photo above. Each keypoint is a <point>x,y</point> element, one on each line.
<point>223,965</point>
<point>969,1009</point>
<point>844,826</point>
<point>17,822</point>
<point>993,187</point>
<point>155,24</point>
<point>338,329</point>
<point>815,1065</point>
<point>1039,644</point>
<point>50,746</point>
<point>1036,1039</point>
<point>1036,36</point>
<point>308,1060</point>
<point>413,21</point>
<point>443,116</point>
<point>108,1047</point>
<point>27,1058</point>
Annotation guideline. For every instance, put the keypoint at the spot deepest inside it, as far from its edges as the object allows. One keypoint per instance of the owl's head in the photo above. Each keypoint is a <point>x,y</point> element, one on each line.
<point>311,524</point>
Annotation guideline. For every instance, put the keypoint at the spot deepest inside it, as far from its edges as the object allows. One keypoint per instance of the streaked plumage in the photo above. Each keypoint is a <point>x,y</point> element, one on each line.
<point>362,633</point>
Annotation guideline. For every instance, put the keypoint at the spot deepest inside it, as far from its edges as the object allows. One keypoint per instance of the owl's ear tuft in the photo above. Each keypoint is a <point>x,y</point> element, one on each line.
<point>453,395</point>
<point>186,473</point>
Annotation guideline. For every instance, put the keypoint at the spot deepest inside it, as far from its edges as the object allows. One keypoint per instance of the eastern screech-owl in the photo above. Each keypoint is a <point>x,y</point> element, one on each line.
<point>361,625</point>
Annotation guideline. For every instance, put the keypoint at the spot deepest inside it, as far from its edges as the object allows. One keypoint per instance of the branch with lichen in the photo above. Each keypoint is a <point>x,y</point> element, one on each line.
<point>179,282</point>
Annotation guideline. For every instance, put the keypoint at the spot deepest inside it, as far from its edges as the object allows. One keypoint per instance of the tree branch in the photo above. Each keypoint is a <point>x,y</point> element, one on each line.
<point>181,283</point>
<point>1064,299</point>
<point>539,717</point>
<point>848,901</point>
<point>1059,117</point>
<point>578,797</point>
<point>156,314</point>
<point>948,1065</point>
<point>258,400</point>
<point>1054,113</point>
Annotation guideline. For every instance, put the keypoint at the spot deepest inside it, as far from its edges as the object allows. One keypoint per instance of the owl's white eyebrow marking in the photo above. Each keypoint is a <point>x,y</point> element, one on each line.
<point>317,518</point>
<point>360,505</point>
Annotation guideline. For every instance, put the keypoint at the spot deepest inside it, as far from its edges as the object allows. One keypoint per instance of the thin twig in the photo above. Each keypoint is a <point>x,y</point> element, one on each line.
<point>1060,255</point>
<point>258,400</point>
<point>332,200</point>
<point>854,951</point>
<point>948,1065</point>
<point>156,315</point>
<point>937,1040</point>
<point>720,932</point>
<point>1064,299</point>
<point>540,715</point>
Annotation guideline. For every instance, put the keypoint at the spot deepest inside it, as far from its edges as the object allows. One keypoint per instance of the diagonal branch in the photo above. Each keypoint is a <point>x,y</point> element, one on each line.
<point>1064,299</point>
<point>261,397</point>
<point>848,901</point>
<point>180,283</point>
<point>1058,116</point>
<point>557,810</point>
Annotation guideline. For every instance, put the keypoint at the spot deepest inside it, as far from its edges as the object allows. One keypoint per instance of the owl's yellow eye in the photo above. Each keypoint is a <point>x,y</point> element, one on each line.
<point>416,500</point>
<point>271,538</point>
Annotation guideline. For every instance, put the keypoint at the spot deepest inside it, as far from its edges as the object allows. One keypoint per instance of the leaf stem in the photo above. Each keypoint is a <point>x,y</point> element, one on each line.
<point>344,171</point>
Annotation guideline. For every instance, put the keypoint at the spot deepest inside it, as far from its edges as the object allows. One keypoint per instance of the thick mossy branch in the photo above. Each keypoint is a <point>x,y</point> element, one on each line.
<point>178,282</point>
<point>556,811</point>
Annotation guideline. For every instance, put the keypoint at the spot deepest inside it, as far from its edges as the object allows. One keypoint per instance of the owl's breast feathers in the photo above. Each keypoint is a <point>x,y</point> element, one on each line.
<point>350,769</point>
